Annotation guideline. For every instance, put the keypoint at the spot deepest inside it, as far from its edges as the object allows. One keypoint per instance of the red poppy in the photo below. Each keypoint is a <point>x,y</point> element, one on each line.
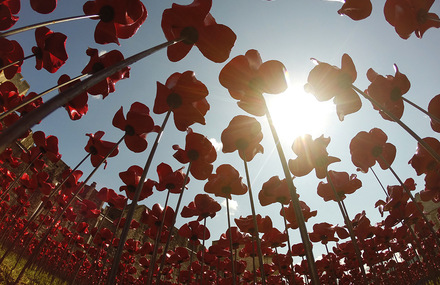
<point>224,182</point>
<point>136,126</point>
<point>342,183</point>
<point>424,163</point>
<point>312,154</point>
<point>367,148</point>
<point>169,179</point>
<point>203,206</point>
<point>118,19</point>
<point>408,16</point>
<point>99,148</point>
<point>243,134</point>
<point>200,152</point>
<point>9,96</point>
<point>47,145</point>
<point>70,180</point>
<point>274,238</point>
<point>323,232</point>
<point>38,181</point>
<point>356,9</point>
<point>31,156</point>
<point>153,218</point>
<point>194,232</point>
<point>6,157</point>
<point>246,224</point>
<point>50,51</point>
<point>131,178</point>
<point>98,63</point>
<point>30,106</point>
<point>44,6</point>
<point>183,95</point>
<point>88,209</point>
<point>434,109</point>
<point>196,25</point>
<point>10,51</point>
<point>237,238</point>
<point>104,236</point>
<point>326,81</point>
<point>274,190</point>
<point>291,216</point>
<point>7,9</point>
<point>246,77</point>
<point>362,226</point>
<point>77,107</point>
<point>388,91</point>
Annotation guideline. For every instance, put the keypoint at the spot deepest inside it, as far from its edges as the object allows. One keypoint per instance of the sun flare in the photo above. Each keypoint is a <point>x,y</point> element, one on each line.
<point>296,113</point>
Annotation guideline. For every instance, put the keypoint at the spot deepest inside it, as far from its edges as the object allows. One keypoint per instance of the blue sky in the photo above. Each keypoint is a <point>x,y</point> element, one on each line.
<point>285,30</point>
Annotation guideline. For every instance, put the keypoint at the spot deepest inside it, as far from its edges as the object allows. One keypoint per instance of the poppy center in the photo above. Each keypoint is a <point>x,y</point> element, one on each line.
<point>129,130</point>
<point>396,94</point>
<point>376,151</point>
<point>256,84</point>
<point>97,67</point>
<point>193,154</point>
<point>170,186</point>
<point>131,188</point>
<point>226,189</point>
<point>174,100</point>
<point>37,52</point>
<point>106,13</point>
<point>42,149</point>
<point>344,80</point>
<point>1,62</point>
<point>190,35</point>
<point>422,16</point>
<point>241,144</point>
<point>93,150</point>
<point>321,161</point>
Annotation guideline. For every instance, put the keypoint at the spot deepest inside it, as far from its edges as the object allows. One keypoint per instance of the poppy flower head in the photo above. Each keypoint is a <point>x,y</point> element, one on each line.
<point>44,6</point>
<point>434,109</point>
<point>183,95</point>
<point>410,16</point>
<point>136,126</point>
<point>367,148</point>
<point>131,178</point>
<point>388,91</point>
<point>274,190</point>
<point>200,152</point>
<point>99,148</point>
<point>98,62</point>
<point>323,232</point>
<point>343,184</point>
<point>169,179</point>
<point>9,96</point>
<point>118,19</point>
<point>289,214</point>
<point>10,51</point>
<point>7,10</point>
<point>225,182</point>
<point>50,51</point>
<point>311,154</point>
<point>203,206</point>
<point>326,81</point>
<point>196,26</point>
<point>246,77</point>
<point>243,134</point>
<point>47,145</point>
<point>195,232</point>
<point>77,107</point>
<point>356,9</point>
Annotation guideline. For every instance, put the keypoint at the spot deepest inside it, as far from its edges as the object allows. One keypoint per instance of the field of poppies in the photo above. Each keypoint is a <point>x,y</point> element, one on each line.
<point>59,226</point>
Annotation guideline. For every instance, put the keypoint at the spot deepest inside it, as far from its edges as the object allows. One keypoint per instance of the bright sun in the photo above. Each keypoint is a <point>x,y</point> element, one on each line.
<point>296,113</point>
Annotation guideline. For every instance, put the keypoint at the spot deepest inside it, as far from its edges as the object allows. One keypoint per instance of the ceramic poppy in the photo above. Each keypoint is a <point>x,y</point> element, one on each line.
<point>50,51</point>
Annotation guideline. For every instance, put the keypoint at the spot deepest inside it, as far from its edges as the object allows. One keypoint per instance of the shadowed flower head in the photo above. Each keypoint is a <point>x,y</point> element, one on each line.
<point>118,19</point>
<point>388,91</point>
<point>246,224</point>
<point>291,216</point>
<point>367,148</point>
<point>184,95</point>
<point>356,9</point>
<point>246,77</point>
<point>131,178</point>
<point>169,179</point>
<point>98,63</point>
<point>194,232</point>
<point>43,6</point>
<point>196,25</point>
<point>99,148</point>
<point>10,51</point>
<point>225,182</point>
<point>48,146</point>
<point>434,109</point>
<point>50,51</point>
<point>243,134</point>
<point>200,152</point>
<point>77,107</point>
<point>203,206</point>
<point>312,154</point>
<point>7,9</point>
<point>136,126</point>
<point>274,190</point>
<point>408,16</point>
<point>326,81</point>
<point>323,232</point>
<point>342,183</point>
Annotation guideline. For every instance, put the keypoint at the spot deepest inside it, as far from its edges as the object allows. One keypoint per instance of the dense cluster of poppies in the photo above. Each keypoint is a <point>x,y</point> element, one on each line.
<point>45,219</point>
